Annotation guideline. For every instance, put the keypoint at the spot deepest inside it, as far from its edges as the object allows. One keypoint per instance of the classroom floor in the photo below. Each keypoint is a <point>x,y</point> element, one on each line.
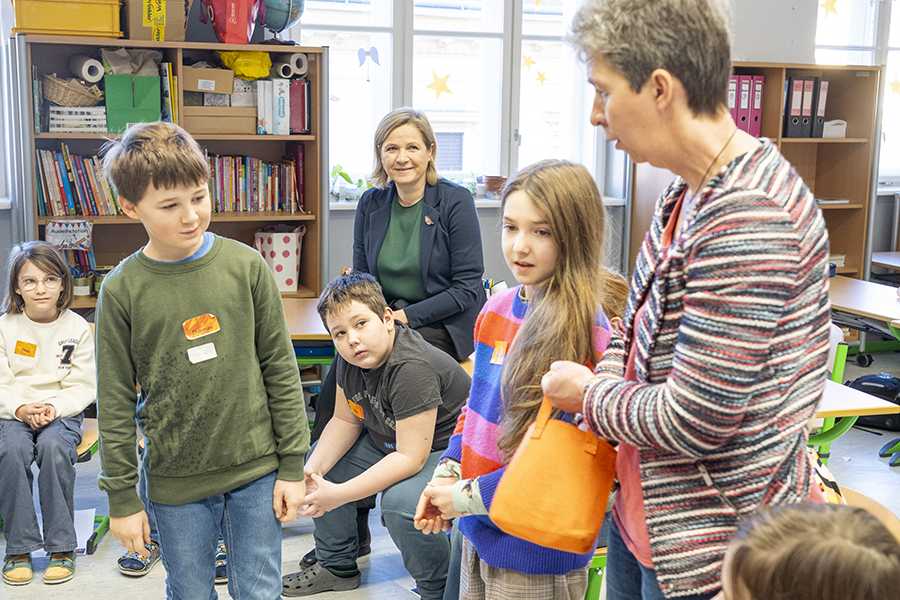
<point>854,462</point>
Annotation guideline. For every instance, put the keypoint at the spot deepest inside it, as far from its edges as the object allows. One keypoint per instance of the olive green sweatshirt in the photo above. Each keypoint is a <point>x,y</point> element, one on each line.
<point>221,403</point>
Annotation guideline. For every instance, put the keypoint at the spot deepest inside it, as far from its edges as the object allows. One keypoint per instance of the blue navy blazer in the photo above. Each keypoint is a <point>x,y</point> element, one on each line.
<point>450,256</point>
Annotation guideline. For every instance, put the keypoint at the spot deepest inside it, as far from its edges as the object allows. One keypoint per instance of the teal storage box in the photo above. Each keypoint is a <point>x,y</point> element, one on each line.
<point>131,99</point>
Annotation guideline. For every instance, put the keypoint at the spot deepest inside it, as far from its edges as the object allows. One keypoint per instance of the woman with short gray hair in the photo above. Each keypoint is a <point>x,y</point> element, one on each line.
<point>720,359</point>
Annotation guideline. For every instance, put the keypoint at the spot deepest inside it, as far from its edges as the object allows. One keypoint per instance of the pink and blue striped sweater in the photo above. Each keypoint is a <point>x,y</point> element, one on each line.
<point>474,443</point>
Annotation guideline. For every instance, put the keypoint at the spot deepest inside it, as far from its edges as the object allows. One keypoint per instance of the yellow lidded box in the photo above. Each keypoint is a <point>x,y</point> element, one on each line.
<point>90,18</point>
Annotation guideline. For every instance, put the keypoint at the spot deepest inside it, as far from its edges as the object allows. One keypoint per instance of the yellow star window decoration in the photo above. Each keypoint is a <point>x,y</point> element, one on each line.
<point>828,5</point>
<point>541,77</point>
<point>895,85</point>
<point>527,62</point>
<point>439,85</point>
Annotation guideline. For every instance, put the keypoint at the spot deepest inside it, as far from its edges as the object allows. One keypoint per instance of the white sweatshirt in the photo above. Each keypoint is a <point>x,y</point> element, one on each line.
<point>46,362</point>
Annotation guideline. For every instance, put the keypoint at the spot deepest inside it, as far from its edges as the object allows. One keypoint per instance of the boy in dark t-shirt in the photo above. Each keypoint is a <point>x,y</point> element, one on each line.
<point>398,398</point>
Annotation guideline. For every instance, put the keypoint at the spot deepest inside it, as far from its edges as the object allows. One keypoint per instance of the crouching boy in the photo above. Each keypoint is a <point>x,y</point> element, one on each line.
<point>398,398</point>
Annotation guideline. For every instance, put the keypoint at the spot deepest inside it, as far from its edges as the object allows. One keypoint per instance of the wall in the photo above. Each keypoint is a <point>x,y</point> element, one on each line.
<point>340,243</point>
<point>774,30</point>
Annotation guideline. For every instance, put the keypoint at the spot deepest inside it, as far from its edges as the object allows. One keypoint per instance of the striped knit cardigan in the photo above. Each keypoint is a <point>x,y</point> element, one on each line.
<point>730,362</point>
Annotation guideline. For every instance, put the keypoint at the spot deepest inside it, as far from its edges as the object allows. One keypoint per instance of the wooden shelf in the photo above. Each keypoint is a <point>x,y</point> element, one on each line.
<point>266,215</point>
<point>786,140</point>
<point>85,302</point>
<point>839,206</point>
<point>830,167</point>
<point>200,136</point>
<point>117,236</point>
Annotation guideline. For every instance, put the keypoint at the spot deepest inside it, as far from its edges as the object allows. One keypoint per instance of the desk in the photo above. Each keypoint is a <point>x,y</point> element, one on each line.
<point>866,306</point>
<point>303,319</point>
<point>843,401</point>
<point>891,260</point>
<point>312,343</point>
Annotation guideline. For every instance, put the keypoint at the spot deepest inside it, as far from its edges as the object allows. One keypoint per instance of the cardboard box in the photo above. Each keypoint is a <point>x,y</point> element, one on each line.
<point>219,119</point>
<point>156,20</point>
<point>220,81</point>
<point>131,100</point>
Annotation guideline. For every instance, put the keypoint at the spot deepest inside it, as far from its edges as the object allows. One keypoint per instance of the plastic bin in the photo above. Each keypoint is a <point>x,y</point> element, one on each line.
<point>90,18</point>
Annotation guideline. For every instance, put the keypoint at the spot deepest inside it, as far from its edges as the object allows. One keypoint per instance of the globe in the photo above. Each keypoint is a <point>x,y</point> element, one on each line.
<point>282,14</point>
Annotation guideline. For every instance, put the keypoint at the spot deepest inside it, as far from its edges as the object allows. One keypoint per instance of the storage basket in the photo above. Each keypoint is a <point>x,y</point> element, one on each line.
<point>58,92</point>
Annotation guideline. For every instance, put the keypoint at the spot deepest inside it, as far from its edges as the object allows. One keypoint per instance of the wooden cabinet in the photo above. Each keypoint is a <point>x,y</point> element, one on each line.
<point>117,236</point>
<point>830,167</point>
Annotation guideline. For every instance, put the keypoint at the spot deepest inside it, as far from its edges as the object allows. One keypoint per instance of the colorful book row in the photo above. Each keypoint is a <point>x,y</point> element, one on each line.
<point>246,184</point>
<point>69,184</point>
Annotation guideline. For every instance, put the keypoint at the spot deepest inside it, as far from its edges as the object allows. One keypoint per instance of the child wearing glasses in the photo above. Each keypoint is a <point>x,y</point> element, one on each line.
<point>47,378</point>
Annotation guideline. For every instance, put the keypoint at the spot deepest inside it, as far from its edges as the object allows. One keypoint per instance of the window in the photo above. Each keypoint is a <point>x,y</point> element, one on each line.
<point>501,90</point>
<point>867,32</point>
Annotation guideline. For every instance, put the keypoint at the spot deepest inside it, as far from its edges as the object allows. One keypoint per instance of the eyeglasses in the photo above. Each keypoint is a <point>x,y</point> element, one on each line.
<point>51,282</point>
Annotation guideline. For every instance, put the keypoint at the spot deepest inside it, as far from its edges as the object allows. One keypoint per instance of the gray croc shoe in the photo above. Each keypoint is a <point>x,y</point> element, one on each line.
<point>317,579</point>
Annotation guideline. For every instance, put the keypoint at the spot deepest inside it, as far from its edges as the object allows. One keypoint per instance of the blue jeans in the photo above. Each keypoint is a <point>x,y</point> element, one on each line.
<point>627,579</point>
<point>187,541</point>
<point>54,448</point>
<point>425,556</point>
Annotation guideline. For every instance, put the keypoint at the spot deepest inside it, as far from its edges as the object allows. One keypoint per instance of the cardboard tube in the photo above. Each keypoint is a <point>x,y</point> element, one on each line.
<point>298,61</point>
<point>282,70</point>
<point>85,67</point>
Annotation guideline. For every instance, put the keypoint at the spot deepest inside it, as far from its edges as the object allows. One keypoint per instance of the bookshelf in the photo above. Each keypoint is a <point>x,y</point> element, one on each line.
<point>830,167</point>
<point>117,236</point>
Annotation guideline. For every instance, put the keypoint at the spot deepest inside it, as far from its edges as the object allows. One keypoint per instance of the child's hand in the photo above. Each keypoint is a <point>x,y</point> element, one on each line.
<point>311,485</point>
<point>428,517</point>
<point>441,497</point>
<point>287,499</point>
<point>36,414</point>
<point>325,496</point>
<point>133,532</point>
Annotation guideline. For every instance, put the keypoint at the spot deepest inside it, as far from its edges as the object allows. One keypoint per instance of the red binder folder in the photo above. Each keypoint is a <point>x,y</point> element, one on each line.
<point>793,102</point>
<point>756,105</point>
<point>745,83</point>
<point>732,97</point>
<point>819,98</point>
<point>806,110</point>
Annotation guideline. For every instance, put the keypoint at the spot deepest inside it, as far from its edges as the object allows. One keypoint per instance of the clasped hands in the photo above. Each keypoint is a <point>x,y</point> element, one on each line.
<point>36,414</point>
<point>435,507</point>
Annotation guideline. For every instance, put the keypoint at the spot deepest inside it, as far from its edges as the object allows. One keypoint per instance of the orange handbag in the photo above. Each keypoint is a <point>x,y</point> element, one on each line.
<point>555,488</point>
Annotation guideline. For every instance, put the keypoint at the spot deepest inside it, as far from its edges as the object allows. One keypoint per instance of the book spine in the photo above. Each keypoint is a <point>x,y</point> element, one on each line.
<point>82,177</point>
<point>53,183</point>
<point>61,167</point>
<point>96,199</point>
<point>41,185</point>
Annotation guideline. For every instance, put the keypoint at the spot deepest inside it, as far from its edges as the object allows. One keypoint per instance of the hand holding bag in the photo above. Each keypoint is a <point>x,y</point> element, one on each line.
<point>555,488</point>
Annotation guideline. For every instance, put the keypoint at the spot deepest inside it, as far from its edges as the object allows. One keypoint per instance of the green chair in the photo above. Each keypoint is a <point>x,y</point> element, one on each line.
<point>595,574</point>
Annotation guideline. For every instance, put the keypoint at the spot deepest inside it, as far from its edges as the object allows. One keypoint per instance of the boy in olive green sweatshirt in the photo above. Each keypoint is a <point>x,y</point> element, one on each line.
<point>198,320</point>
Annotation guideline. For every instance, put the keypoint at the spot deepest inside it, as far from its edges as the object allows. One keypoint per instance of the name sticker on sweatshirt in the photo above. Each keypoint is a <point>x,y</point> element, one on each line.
<point>200,326</point>
<point>499,353</point>
<point>26,349</point>
<point>202,353</point>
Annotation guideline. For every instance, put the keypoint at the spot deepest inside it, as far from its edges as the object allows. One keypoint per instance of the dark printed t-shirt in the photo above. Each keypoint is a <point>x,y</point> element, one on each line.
<point>416,377</point>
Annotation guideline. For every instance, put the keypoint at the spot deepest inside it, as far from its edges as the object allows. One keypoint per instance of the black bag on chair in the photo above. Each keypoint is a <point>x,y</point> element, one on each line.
<point>884,386</point>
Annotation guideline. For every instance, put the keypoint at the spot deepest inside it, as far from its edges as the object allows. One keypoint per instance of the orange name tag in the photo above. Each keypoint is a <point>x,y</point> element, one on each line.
<point>499,353</point>
<point>356,409</point>
<point>200,326</point>
<point>25,349</point>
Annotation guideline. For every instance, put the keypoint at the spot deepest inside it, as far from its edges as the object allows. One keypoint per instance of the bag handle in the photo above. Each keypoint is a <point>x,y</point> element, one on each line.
<point>542,418</point>
<point>591,442</point>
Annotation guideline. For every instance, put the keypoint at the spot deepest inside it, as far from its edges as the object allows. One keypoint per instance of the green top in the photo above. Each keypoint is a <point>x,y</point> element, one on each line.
<point>399,271</point>
<point>219,409</point>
